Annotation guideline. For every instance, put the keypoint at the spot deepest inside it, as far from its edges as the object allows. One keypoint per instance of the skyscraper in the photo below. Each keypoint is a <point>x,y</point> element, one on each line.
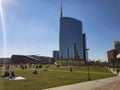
<point>71,39</point>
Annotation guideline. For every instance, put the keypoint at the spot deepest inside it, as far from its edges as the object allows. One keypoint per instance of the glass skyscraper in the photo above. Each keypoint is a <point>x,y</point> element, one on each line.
<point>71,39</point>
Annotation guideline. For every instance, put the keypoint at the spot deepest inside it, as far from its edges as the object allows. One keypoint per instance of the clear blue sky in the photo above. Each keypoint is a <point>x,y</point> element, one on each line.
<point>32,26</point>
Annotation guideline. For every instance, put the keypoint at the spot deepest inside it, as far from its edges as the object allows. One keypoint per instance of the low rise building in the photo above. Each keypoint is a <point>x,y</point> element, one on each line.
<point>31,59</point>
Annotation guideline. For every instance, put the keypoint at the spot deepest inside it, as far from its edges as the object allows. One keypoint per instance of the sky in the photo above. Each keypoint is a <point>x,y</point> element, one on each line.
<point>32,26</point>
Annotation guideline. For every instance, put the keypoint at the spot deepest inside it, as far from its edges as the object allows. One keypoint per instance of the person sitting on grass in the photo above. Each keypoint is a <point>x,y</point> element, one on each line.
<point>12,75</point>
<point>35,72</point>
<point>70,69</point>
<point>6,74</point>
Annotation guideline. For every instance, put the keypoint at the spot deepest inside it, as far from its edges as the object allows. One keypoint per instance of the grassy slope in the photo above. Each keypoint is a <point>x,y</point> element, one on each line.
<point>53,77</point>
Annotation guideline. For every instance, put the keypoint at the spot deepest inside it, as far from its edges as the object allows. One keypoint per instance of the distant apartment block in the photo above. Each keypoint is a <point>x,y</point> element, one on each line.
<point>117,46</point>
<point>111,55</point>
<point>56,55</point>
<point>114,54</point>
<point>4,60</point>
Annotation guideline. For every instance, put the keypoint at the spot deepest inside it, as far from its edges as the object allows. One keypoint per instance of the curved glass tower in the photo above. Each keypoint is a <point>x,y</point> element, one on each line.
<point>70,38</point>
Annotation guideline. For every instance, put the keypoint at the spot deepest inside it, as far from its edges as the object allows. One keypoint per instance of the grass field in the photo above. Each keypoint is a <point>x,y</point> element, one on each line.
<point>52,78</point>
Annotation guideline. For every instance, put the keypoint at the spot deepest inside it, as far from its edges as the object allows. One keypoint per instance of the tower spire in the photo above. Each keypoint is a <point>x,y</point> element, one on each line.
<point>61,13</point>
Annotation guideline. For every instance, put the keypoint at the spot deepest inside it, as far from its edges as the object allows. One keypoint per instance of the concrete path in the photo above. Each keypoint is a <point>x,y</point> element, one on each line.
<point>112,83</point>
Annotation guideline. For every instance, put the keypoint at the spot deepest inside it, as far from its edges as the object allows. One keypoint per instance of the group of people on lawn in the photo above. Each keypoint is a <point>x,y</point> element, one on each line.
<point>10,75</point>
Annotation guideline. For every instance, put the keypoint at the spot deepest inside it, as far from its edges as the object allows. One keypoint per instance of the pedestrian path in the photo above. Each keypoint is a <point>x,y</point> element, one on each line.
<point>90,85</point>
<point>114,71</point>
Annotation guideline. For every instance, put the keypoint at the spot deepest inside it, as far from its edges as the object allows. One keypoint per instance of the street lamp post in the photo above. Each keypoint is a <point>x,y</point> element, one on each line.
<point>88,65</point>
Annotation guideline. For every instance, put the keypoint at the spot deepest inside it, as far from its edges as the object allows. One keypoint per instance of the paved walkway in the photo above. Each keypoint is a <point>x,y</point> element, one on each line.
<point>112,83</point>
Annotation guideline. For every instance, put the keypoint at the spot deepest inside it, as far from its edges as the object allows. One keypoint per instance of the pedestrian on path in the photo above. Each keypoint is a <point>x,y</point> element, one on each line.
<point>118,72</point>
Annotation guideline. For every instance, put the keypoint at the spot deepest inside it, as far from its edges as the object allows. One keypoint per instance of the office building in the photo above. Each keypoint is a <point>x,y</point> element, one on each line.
<point>56,55</point>
<point>72,41</point>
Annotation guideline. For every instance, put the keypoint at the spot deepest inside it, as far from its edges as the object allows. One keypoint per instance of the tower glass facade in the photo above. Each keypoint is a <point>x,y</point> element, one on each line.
<point>70,39</point>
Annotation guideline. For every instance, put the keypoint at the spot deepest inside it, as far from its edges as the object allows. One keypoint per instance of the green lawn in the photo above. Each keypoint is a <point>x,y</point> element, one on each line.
<point>52,78</point>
